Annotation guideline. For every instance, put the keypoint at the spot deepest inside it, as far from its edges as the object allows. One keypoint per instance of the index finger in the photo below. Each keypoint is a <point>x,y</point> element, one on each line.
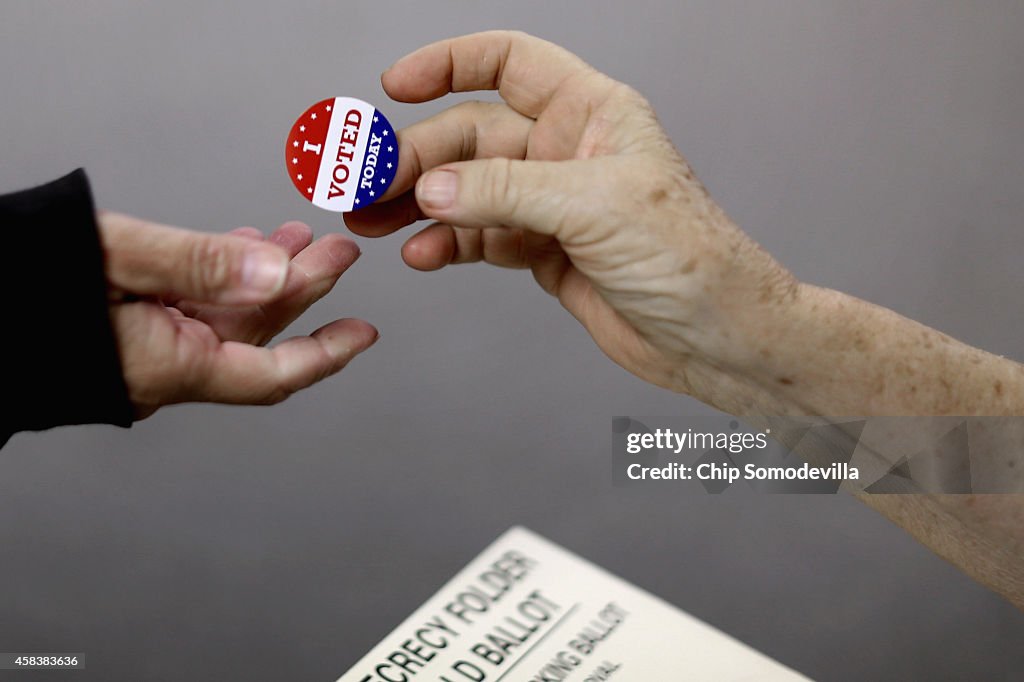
<point>525,70</point>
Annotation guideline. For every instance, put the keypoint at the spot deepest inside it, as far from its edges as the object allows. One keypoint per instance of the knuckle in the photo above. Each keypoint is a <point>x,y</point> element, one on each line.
<point>209,262</point>
<point>522,38</point>
<point>469,114</point>
<point>497,188</point>
<point>511,37</point>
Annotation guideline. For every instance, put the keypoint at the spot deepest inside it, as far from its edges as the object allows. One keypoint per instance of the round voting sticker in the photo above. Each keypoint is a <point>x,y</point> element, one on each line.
<point>342,154</point>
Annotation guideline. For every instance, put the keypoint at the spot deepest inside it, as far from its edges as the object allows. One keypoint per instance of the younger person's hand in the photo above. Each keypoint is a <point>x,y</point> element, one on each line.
<point>192,311</point>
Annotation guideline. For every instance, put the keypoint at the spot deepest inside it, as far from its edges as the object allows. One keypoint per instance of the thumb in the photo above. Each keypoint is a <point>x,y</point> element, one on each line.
<point>548,197</point>
<point>156,260</point>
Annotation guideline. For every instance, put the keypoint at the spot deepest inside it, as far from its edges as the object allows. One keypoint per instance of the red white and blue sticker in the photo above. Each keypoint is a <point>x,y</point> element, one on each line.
<point>342,154</point>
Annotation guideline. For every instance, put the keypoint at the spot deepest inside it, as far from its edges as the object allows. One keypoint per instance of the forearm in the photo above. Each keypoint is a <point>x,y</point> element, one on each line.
<point>835,355</point>
<point>838,355</point>
<point>825,353</point>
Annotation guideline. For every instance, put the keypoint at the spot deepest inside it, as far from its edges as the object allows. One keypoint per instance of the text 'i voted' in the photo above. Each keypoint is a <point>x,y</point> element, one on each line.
<point>342,154</point>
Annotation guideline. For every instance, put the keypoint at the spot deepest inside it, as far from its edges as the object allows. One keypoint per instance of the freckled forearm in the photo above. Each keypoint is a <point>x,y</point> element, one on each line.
<point>982,535</point>
<point>837,355</point>
<point>840,356</point>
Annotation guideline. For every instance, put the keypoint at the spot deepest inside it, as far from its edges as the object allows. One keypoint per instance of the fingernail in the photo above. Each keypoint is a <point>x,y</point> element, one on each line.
<point>264,271</point>
<point>436,189</point>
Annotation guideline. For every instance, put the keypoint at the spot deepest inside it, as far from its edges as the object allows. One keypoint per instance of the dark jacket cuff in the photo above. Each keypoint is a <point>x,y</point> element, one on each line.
<point>58,343</point>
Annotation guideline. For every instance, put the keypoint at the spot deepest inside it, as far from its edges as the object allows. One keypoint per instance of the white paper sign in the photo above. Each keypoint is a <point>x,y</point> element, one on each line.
<point>526,610</point>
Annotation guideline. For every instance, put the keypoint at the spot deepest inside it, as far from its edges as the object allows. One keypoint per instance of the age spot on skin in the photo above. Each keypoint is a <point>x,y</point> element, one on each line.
<point>998,388</point>
<point>689,266</point>
<point>657,196</point>
<point>786,381</point>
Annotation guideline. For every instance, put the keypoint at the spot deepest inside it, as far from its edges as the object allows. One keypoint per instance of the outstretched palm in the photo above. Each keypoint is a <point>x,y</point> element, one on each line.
<point>176,349</point>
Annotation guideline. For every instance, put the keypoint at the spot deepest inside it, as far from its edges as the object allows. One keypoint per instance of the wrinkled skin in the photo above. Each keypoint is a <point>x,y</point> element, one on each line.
<point>573,177</point>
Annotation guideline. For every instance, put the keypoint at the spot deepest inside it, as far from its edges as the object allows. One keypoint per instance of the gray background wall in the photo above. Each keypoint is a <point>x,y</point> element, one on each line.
<point>875,147</point>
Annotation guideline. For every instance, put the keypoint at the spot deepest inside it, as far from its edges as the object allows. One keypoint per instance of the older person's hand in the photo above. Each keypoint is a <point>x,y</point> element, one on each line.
<point>574,178</point>
<point>192,310</point>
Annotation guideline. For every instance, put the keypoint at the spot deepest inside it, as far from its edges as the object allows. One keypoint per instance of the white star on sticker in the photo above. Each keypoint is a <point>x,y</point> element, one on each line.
<point>389,165</point>
<point>295,144</point>
<point>374,119</point>
<point>357,201</point>
<point>302,129</point>
<point>299,176</point>
<point>383,181</point>
<point>309,190</point>
<point>385,133</point>
<point>372,194</point>
<point>313,117</point>
<point>328,107</point>
<point>391,149</point>
<point>295,160</point>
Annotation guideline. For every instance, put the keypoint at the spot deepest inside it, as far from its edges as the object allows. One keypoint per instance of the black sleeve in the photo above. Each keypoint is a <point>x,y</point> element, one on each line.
<point>61,363</point>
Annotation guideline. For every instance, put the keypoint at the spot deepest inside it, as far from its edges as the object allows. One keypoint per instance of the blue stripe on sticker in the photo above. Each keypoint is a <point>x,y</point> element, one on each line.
<point>380,163</point>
